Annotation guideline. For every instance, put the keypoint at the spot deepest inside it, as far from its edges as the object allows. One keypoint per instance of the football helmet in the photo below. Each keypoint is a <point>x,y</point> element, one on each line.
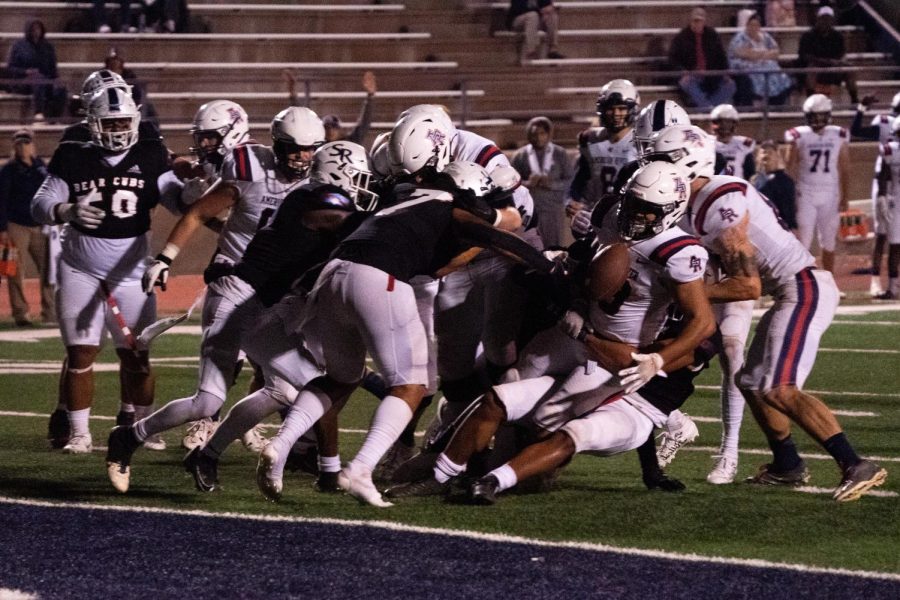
<point>724,119</point>
<point>223,119</point>
<point>687,146</point>
<point>113,119</point>
<point>100,80</point>
<point>654,200</point>
<point>817,109</point>
<point>618,92</point>
<point>420,139</point>
<point>655,117</point>
<point>469,176</point>
<point>345,165</point>
<point>381,163</point>
<point>895,104</point>
<point>294,129</point>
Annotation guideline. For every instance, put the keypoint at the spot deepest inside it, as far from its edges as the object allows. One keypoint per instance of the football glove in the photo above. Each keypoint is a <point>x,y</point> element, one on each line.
<point>84,215</point>
<point>646,367</point>
<point>157,272</point>
<point>581,223</point>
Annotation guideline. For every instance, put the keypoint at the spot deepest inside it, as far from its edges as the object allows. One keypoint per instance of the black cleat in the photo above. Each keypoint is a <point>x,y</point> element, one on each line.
<point>662,482</point>
<point>859,479</point>
<point>120,448</point>
<point>203,468</point>
<point>424,487</point>
<point>793,478</point>
<point>58,430</point>
<point>484,491</point>
<point>124,419</point>
<point>327,483</point>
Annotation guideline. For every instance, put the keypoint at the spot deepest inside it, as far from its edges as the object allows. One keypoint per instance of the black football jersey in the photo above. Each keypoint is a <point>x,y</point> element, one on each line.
<point>127,192</point>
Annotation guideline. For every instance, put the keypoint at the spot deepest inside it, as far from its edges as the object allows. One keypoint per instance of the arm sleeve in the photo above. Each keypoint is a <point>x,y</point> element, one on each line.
<point>486,235</point>
<point>749,166</point>
<point>688,264</point>
<point>364,122</point>
<point>858,130</point>
<point>53,191</point>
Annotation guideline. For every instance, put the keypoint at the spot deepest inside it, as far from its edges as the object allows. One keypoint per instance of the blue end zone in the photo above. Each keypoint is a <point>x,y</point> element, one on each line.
<point>80,553</point>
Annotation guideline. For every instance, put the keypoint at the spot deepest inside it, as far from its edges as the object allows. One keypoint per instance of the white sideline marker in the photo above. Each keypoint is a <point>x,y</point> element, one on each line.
<point>472,535</point>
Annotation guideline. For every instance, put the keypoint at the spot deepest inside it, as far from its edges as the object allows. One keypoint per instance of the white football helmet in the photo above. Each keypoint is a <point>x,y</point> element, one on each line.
<point>656,116</point>
<point>294,129</point>
<point>895,104</point>
<point>724,119</point>
<point>654,200</point>
<point>470,176</point>
<point>435,111</point>
<point>381,162</point>
<point>506,178</point>
<point>100,80</point>
<point>817,109</point>
<point>616,93</point>
<point>420,139</point>
<point>687,146</point>
<point>345,165</point>
<point>113,119</point>
<point>224,119</point>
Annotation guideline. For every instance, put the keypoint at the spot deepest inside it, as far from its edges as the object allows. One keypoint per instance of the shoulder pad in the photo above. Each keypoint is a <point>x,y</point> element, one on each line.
<point>670,248</point>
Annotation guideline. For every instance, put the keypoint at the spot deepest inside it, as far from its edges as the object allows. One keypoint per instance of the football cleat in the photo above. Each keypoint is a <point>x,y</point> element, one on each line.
<point>724,470</point>
<point>875,289</point>
<point>660,481</point>
<point>359,485</point>
<point>673,439</point>
<point>793,478</point>
<point>484,491</point>
<point>58,429</point>
<point>79,444</point>
<point>198,433</point>
<point>859,479</point>
<point>327,483</point>
<point>155,442</point>
<point>120,448</point>
<point>203,468</point>
<point>888,295</point>
<point>398,454</point>
<point>254,440</point>
<point>425,487</point>
<point>267,481</point>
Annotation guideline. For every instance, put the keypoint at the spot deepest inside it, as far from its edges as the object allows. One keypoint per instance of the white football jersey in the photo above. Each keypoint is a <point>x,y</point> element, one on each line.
<point>722,204</point>
<point>883,123</point>
<point>818,176</point>
<point>638,312</point>
<point>605,158</point>
<point>735,152</point>
<point>889,154</point>
<point>251,169</point>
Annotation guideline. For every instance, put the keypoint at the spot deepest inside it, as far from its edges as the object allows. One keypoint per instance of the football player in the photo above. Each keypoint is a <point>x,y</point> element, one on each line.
<point>363,301</point>
<point>104,192</point>
<point>888,206</point>
<point>760,255</point>
<point>819,162</point>
<point>254,181</point>
<point>736,149</point>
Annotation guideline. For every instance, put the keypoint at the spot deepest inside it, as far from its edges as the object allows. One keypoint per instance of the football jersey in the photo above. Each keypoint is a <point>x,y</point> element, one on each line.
<point>722,204</point>
<point>883,123</point>
<point>639,311</point>
<point>817,172</point>
<point>261,189</point>
<point>889,155</point>
<point>602,159</point>
<point>736,151</point>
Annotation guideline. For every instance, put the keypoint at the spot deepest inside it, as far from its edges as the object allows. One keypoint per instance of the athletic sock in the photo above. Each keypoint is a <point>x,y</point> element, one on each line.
<point>506,476</point>
<point>445,469</point>
<point>647,456</point>
<point>329,464</point>
<point>78,422</point>
<point>126,407</point>
<point>242,417</point>
<point>839,447</point>
<point>785,453</point>
<point>309,407</point>
<point>391,417</point>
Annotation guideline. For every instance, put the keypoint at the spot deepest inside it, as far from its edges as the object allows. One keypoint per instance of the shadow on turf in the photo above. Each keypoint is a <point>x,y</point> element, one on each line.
<point>81,489</point>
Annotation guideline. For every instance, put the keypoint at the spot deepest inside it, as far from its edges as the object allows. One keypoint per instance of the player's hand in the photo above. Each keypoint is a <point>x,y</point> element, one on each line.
<point>157,274</point>
<point>85,215</point>
<point>884,210</point>
<point>869,100</point>
<point>573,325</point>
<point>645,368</point>
<point>581,224</point>
<point>572,207</point>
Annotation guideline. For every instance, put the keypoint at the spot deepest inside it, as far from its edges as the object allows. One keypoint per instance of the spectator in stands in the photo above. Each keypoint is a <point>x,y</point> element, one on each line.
<point>698,48</point>
<point>774,183</point>
<point>33,59</point>
<point>164,16</point>
<point>529,17</point>
<point>546,171</point>
<point>20,178</point>
<point>823,46</point>
<point>115,62</point>
<point>755,50</point>
<point>780,13</point>
<point>332,123</point>
<point>101,22</point>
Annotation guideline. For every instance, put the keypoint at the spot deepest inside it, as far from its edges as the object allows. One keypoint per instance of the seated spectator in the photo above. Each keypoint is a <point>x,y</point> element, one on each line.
<point>164,16</point>
<point>780,13</point>
<point>546,171</point>
<point>529,17</point>
<point>332,123</point>
<point>33,59</point>
<point>755,50</point>
<point>115,62</point>
<point>101,21</point>
<point>698,48</point>
<point>775,184</point>
<point>823,46</point>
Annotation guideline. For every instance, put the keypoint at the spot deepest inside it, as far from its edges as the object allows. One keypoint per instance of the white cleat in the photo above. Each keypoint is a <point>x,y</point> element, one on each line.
<point>79,444</point>
<point>254,440</point>
<point>875,287</point>
<point>198,433</point>
<point>673,439</point>
<point>155,442</point>
<point>119,476</point>
<point>360,486</point>
<point>267,481</point>
<point>724,471</point>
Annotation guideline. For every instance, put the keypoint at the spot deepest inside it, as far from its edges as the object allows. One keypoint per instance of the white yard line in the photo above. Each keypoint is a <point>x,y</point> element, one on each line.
<point>473,535</point>
<point>761,452</point>
<point>808,489</point>
<point>824,392</point>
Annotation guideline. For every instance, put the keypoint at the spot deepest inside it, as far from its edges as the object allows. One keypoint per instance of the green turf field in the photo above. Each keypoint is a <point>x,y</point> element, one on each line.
<point>597,500</point>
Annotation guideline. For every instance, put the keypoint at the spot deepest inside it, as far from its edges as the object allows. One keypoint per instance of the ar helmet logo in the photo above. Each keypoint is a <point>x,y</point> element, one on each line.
<point>692,136</point>
<point>235,115</point>
<point>680,189</point>
<point>437,137</point>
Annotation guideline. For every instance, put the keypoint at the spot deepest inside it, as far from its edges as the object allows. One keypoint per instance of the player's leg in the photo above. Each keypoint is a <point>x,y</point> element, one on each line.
<point>806,219</point>
<point>829,222</point>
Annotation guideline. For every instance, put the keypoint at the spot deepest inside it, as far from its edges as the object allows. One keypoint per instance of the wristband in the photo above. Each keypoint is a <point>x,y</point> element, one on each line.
<point>168,253</point>
<point>585,331</point>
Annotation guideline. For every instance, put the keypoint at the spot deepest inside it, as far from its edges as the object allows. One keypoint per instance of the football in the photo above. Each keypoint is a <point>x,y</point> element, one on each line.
<point>609,271</point>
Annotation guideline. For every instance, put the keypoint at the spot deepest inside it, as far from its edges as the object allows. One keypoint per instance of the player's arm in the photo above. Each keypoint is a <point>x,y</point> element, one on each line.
<point>739,263</point>
<point>844,175</point>
<point>611,355</point>
<point>792,162</point>
<point>483,235</point>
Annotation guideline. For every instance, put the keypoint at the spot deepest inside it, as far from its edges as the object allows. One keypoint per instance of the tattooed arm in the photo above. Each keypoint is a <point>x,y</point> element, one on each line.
<point>738,258</point>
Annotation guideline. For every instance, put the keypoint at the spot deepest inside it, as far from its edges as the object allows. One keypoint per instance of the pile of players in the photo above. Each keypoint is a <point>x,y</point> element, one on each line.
<point>424,256</point>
